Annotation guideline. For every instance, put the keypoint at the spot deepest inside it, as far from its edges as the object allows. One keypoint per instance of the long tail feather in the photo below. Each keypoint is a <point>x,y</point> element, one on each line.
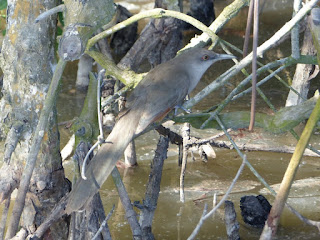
<point>103,162</point>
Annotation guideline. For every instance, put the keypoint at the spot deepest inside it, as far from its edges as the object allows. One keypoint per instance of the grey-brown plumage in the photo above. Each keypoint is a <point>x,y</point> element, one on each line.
<point>163,88</point>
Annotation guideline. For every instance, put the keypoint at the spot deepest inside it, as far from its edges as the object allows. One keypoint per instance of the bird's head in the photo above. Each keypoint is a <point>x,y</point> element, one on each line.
<point>196,61</point>
<point>203,58</point>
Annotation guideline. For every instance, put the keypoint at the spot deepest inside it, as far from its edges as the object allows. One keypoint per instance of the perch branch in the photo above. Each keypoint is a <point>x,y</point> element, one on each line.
<point>154,13</point>
<point>128,77</point>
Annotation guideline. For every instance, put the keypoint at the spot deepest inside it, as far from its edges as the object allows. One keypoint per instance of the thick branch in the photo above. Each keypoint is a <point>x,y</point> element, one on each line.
<point>126,203</point>
<point>125,76</point>
<point>153,188</point>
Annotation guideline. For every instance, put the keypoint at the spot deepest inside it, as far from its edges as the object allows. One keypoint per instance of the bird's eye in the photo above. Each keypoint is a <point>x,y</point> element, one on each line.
<point>205,57</point>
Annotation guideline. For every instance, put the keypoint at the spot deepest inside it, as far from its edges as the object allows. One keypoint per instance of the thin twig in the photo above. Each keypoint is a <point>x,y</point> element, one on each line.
<point>295,31</point>
<point>228,13</point>
<point>207,215</point>
<point>50,12</point>
<point>316,151</point>
<point>239,87</point>
<point>103,224</point>
<point>57,212</point>
<point>186,137</point>
<point>35,147</point>
<point>12,140</point>
<point>84,164</point>
<point>100,139</point>
<point>222,42</point>
<point>203,141</point>
<point>100,77</point>
<point>248,29</point>
<point>220,81</point>
<point>260,82</point>
<point>126,203</point>
<point>261,179</point>
<point>287,63</point>
<point>115,96</point>
<point>254,64</point>
<point>244,162</point>
<point>201,221</point>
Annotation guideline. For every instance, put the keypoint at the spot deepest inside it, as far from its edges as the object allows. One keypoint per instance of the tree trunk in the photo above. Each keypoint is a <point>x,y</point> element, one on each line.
<point>301,79</point>
<point>26,60</point>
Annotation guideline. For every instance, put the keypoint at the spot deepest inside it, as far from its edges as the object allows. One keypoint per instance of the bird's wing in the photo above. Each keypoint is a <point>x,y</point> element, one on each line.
<point>159,97</point>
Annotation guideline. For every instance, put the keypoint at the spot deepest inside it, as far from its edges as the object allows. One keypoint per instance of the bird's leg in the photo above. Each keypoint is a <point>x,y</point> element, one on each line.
<point>176,108</point>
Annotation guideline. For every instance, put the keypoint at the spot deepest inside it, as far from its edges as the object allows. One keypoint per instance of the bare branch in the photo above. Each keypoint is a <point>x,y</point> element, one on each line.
<point>186,137</point>
<point>244,162</point>
<point>12,140</point>
<point>103,224</point>
<point>220,81</point>
<point>50,12</point>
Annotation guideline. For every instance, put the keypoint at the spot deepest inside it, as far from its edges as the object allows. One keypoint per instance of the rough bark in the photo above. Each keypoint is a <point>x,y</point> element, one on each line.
<point>26,60</point>
<point>130,157</point>
<point>84,67</point>
<point>153,188</point>
<point>123,40</point>
<point>159,40</point>
<point>232,225</point>
<point>203,10</point>
<point>82,19</point>
<point>86,223</point>
<point>301,79</point>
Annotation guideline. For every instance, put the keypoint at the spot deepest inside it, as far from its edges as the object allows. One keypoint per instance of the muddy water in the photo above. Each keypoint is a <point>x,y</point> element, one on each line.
<point>174,220</point>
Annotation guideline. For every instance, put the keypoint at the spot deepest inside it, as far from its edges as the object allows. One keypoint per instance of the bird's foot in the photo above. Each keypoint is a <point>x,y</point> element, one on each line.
<point>176,108</point>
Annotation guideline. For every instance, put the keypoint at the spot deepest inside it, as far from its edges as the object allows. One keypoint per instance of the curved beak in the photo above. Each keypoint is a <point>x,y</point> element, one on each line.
<point>224,56</point>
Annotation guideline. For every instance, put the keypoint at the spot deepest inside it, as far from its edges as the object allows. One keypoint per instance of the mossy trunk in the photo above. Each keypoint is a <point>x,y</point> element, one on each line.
<point>26,58</point>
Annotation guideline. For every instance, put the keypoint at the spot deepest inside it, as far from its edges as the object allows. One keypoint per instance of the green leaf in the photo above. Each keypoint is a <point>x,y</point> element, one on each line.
<point>59,31</point>
<point>60,17</point>
<point>3,4</point>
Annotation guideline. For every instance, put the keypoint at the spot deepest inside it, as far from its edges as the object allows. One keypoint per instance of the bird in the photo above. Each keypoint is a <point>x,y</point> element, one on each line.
<point>161,90</point>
